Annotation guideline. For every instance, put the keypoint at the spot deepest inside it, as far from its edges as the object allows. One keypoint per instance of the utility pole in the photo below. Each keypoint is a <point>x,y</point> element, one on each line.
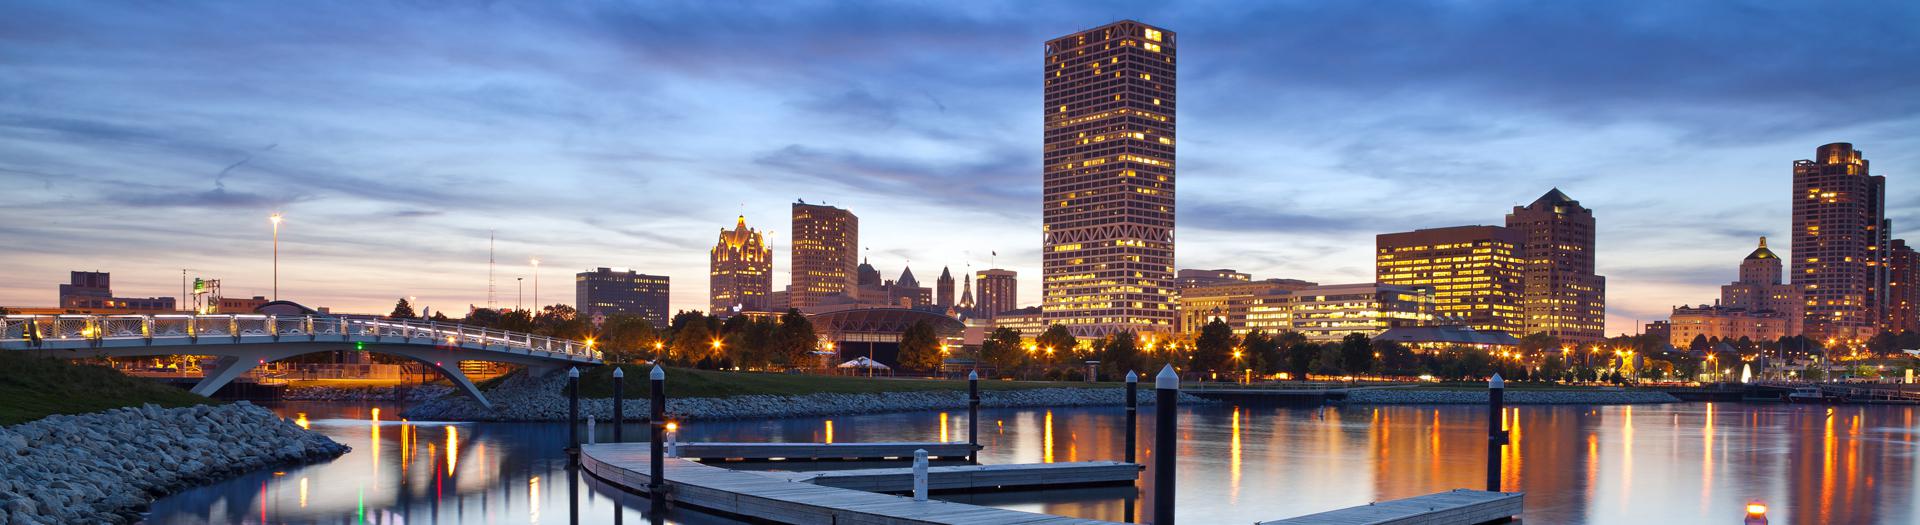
<point>490,304</point>
<point>536,282</point>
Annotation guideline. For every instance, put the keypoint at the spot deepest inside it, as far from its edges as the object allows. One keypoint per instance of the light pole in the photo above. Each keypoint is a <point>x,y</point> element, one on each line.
<point>519,293</point>
<point>536,282</point>
<point>275,219</point>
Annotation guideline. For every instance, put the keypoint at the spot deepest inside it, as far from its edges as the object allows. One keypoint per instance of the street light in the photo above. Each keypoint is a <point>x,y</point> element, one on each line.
<point>536,281</point>
<point>519,293</point>
<point>275,219</point>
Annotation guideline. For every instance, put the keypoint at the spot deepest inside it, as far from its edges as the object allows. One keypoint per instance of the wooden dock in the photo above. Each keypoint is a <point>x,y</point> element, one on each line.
<point>974,477</point>
<point>1456,507</point>
<point>819,451</point>
<point>775,499</point>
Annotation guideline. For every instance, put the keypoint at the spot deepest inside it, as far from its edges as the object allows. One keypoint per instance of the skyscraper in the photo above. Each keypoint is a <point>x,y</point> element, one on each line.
<point>741,273</point>
<point>943,289</point>
<point>1903,289</point>
<point>1108,207</point>
<point>1840,243</point>
<point>1563,298</point>
<point>999,292</point>
<point>606,292</point>
<point>826,245</point>
<point>1476,272</point>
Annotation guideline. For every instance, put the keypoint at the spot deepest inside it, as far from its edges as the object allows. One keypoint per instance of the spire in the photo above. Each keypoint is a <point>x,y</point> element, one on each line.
<point>1763,242</point>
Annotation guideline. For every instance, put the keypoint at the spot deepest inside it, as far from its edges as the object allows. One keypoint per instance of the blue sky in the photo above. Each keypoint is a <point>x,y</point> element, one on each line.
<point>143,138</point>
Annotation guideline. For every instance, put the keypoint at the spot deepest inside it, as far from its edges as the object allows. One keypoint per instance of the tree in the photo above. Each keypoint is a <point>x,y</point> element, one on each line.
<point>1300,357</point>
<point>403,310</point>
<point>1120,353</point>
<point>1213,350</point>
<point>1055,339</point>
<point>1539,342</point>
<point>1356,354</point>
<point>1263,352</point>
<point>1699,344</point>
<point>751,342</point>
<point>625,338</point>
<point>1396,358</point>
<point>920,348</point>
<point>795,340</point>
<point>440,317</point>
<point>692,343</point>
<point>1001,350</point>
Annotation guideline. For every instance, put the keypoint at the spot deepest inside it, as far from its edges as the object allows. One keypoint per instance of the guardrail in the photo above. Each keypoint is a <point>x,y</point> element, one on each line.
<point>29,332</point>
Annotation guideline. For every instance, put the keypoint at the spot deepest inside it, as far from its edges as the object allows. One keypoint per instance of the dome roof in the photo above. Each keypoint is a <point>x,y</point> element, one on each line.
<point>1762,252</point>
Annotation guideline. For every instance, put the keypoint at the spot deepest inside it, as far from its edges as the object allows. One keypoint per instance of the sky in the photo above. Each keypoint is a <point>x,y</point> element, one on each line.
<point>145,139</point>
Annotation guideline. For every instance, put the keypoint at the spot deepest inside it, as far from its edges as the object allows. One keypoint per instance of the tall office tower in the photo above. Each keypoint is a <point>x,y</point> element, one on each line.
<point>1839,243</point>
<point>606,292</point>
<point>1564,298</point>
<point>1476,272</point>
<point>1903,289</point>
<point>1108,207</point>
<point>741,274</point>
<point>943,289</point>
<point>826,245</point>
<point>999,292</point>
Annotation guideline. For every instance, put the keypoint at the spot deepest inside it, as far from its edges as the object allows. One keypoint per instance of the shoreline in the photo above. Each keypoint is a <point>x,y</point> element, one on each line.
<point>106,467</point>
<point>1429,396</point>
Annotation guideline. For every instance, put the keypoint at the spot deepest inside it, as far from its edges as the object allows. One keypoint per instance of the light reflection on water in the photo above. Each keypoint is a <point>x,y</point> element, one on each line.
<point>1686,463</point>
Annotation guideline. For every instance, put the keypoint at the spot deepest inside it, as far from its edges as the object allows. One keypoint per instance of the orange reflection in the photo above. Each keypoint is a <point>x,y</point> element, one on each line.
<point>943,427</point>
<point>829,431</point>
<point>1046,439</point>
<point>301,420</point>
<point>453,448</point>
<point>1233,460</point>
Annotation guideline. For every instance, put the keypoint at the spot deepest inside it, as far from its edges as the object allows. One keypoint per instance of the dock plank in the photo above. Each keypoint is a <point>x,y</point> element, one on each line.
<point>1458,507</point>
<point>819,451</point>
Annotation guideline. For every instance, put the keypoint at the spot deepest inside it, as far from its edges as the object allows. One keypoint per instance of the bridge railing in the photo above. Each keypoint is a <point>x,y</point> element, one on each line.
<point>34,331</point>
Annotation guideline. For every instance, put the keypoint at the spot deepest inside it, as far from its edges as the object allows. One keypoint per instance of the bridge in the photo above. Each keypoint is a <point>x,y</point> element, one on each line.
<point>243,342</point>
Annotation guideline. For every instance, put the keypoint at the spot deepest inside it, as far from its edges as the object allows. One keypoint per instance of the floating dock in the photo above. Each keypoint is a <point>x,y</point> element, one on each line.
<point>819,451</point>
<point>1457,507</point>
<point>974,477</point>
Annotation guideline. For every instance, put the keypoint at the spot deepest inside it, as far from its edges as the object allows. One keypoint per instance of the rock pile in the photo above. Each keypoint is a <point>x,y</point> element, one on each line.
<point>1427,396</point>
<point>392,393</point>
<point>104,466</point>
<point>523,398</point>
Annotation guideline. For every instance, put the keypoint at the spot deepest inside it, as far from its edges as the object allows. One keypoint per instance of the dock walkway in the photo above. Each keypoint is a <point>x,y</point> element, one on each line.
<point>974,477</point>
<point>819,451</point>
<point>785,501</point>
<point>1459,506</point>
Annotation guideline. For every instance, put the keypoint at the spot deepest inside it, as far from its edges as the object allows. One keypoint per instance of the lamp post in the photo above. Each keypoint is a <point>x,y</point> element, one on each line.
<point>519,293</point>
<point>275,219</point>
<point>536,282</point>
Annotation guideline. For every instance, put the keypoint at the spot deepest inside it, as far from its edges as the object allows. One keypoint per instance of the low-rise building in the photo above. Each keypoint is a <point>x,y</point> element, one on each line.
<point>1332,312</point>
<point>1027,321</point>
<point>1725,324</point>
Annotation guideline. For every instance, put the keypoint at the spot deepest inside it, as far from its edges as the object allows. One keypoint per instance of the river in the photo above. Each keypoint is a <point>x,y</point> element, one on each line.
<point>1647,464</point>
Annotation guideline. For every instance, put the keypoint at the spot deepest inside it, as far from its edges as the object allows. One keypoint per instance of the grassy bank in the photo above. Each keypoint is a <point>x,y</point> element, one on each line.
<point>32,388</point>
<point>687,382</point>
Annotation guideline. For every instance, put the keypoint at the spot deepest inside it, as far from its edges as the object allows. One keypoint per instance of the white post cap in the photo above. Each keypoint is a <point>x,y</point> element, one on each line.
<point>573,373</point>
<point>657,374</point>
<point>1496,382</point>
<point>618,373</point>
<point>973,376</point>
<point>1167,379</point>
<point>1132,377</point>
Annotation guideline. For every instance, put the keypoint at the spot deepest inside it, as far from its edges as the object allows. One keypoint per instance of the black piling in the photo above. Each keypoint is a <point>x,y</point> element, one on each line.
<point>973,417</point>
<point>1496,435</point>
<point>656,478</point>
<point>1133,414</point>
<point>619,402</point>
<point>1167,394</point>
<point>573,411</point>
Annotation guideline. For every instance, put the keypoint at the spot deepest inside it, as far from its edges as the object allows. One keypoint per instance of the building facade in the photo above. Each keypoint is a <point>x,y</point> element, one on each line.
<point>741,271</point>
<point>93,292</point>
<point>1840,242</point>
<point>998,291</point>
<point>609,293</point>
<point>1903,289</point>
<point>1108,180</point>
<point>1191,277</point>
<point>1028,321</point>
<point>1563,296</point>
<point>1761,288</point>
<point>1725,324</point>
<point>1332,312</point>
<point>1476,272</point>
<point>1231,301</point>
<point>943,289</point>
<point>826,245</point>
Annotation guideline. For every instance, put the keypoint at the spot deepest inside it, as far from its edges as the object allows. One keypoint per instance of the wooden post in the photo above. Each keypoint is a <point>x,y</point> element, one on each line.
<point>656,478</point>
<point>573,411</point>
<point>973,417</point>
<point>1496,436</point>
<point>920,475</point>
<point>619,411</point>
<point>1167,394</point>
<point>1133,414</point>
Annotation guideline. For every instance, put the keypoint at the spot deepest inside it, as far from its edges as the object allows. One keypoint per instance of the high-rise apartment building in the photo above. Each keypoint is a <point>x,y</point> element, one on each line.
<point>741,273</point>
<point>1840,243</point>
<point>609,293</point>
<point>826,245</point>
<point>1903,289</point>
<point>1476,272</point>
<point>1108,204</point>
<point>998,292</point>
<point>1563,298</point>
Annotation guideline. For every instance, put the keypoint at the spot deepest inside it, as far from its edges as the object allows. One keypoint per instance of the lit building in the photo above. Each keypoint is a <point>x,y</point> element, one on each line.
<point>998,292</point>
<point>1563,297</point>
<point>1840,243</point>
<point>239,305</point>
<point>1028,321</point>
<point>1760,288</point>
<point>741,273</point>
<point>92,292</point>
<point>1332,312</point>
<point>1725,324</point>
<point>872,292</point>
<point>1431,339</point>
<point>943,289</point>
<point>1662,330</point>
<point>1189,278</point>
<point>1475,272</point>
<point>1903,289</point>
<point>826,242</point>
<point>1229,301</point>
<point>609,293</point>
<point>1108,205</point>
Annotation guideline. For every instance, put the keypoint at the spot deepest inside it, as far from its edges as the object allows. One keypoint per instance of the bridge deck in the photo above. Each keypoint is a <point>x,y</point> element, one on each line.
<point>819,451</point>
<point>1459,507</point>
<point>973,477</point>
<point>781,500</point>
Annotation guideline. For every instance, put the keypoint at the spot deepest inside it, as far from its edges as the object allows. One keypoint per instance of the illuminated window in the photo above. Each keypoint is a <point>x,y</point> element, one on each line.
<point>1153,34</point>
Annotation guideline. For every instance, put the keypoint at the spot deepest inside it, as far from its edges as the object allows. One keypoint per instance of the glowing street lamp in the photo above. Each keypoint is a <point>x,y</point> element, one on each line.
<point>275,219</point>
<point>536,282</point>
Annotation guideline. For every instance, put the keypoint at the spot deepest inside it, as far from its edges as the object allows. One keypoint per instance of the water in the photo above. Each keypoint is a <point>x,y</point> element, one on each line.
<point>1650,464</point>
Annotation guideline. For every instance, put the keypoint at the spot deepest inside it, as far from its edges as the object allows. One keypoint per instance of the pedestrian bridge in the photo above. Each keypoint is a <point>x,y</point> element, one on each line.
<point>246,341</point>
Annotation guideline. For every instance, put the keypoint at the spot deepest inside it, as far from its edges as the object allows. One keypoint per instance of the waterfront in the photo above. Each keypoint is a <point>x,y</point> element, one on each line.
<point>1679,463</point>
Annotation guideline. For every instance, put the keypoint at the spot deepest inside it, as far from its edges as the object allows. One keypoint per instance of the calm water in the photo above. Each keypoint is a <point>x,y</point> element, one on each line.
<point>1683,463</point>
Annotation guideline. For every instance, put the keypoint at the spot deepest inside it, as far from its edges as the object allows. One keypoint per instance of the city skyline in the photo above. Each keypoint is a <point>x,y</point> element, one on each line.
<point>367,223</point>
